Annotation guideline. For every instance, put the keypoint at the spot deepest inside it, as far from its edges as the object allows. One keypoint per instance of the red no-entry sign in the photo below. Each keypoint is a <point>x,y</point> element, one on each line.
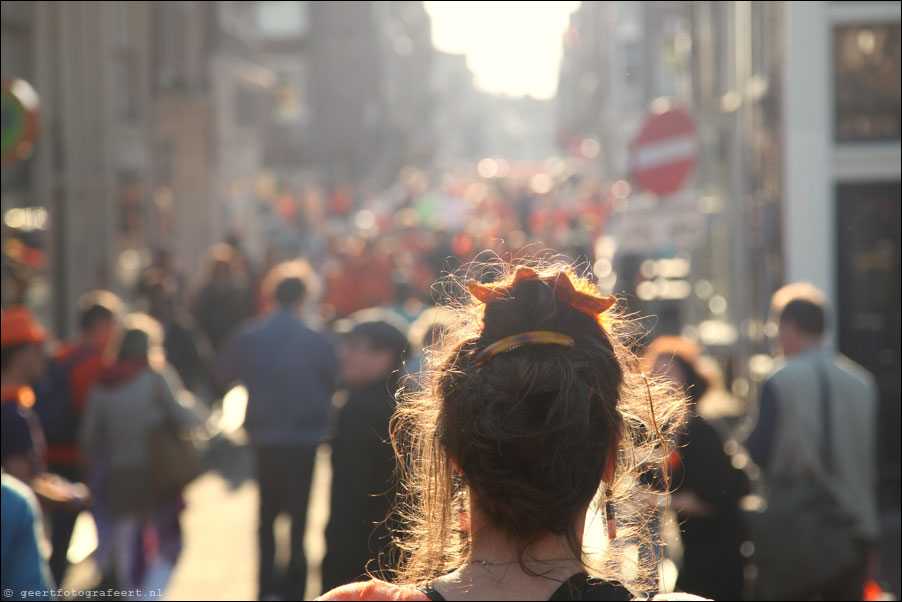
<point>663,154</point>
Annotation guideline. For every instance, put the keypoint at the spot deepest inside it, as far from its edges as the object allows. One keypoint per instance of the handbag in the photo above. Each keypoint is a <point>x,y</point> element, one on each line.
<point>174,459</point>
<point>803,538</point>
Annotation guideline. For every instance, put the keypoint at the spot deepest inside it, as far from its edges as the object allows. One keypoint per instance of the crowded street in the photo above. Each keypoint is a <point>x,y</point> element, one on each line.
<point>451,300</point>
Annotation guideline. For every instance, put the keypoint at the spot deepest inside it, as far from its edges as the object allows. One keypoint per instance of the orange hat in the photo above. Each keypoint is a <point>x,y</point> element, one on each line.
<point>17,326</point>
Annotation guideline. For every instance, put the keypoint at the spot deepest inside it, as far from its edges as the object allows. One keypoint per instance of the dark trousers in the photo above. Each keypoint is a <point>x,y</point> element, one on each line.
<point>62,524</point>
<point>846,586</point>
<point>284,475</point>
<point>849,586</point>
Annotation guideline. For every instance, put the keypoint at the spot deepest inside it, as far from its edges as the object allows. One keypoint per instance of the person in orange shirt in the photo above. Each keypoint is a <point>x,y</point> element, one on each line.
<point>60,399</point>
<point>22,361</point>
<point>77,365</point>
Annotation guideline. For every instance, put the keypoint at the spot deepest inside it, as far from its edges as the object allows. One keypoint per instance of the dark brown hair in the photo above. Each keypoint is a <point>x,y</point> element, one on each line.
<point>288,283</point>
<point>97,307</point>
<point>531,429</point>
<point>140,337</point>
<point>806,315</point>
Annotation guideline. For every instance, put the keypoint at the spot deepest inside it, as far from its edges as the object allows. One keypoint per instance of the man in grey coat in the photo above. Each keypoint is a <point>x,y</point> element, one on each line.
<point>788,439</point>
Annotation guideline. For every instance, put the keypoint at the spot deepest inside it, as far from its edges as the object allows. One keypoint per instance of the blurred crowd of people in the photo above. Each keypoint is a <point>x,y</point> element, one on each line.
<point>80,425</point>
<point>390,248</point>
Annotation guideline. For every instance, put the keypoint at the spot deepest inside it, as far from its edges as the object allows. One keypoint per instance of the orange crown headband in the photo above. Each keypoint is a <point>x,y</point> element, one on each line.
<point>583,297</point>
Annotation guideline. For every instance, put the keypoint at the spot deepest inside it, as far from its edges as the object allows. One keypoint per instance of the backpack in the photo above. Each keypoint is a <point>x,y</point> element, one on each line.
<point>53,398</point>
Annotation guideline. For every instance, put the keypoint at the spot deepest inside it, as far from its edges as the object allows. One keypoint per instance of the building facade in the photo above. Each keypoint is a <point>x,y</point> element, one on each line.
<point>150,115</point>
<point>457,120</point>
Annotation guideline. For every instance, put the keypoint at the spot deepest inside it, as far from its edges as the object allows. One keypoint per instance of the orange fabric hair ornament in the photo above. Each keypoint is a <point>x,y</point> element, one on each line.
<point>582,296</point>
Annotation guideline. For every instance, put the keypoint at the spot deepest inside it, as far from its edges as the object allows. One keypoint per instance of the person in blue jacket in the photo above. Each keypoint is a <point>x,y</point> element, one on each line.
<point>24,574</point>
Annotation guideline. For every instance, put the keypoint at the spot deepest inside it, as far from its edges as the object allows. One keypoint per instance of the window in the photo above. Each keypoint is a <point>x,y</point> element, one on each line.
<point>632,62</point>
<point>282,19</point>
<point>127,85</point>
<point>867,83</point>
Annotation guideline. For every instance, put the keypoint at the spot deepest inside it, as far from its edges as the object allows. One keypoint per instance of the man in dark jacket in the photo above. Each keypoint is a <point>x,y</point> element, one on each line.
<point>290,372</point>
<point>362,456</point>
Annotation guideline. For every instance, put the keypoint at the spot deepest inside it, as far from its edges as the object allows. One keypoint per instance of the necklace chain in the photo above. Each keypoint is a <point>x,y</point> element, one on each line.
<point>489,563</point>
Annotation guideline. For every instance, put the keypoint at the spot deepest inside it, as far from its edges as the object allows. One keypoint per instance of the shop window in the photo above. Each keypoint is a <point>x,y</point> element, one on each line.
<point>867,83</point>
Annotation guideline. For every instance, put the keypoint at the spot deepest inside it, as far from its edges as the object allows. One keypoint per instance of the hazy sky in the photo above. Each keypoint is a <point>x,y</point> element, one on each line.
<point>511,47</point>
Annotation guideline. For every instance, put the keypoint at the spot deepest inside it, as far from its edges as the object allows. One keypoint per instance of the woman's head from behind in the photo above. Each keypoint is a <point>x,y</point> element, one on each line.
<point>677,359</point>
<point>141,339</point>
<point>531,429</point>
<point>527,406</point>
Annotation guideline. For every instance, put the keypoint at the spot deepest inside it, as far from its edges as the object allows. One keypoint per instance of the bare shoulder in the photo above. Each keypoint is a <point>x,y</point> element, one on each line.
<point>373,590</point>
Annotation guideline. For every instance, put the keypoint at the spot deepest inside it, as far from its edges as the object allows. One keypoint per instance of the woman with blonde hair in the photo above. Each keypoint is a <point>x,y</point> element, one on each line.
<point>532,417</point>
<point>706,486</point>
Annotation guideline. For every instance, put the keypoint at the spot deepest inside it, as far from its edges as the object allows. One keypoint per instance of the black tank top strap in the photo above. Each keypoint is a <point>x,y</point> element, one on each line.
<point>578,587</point>
<point>582,587</point>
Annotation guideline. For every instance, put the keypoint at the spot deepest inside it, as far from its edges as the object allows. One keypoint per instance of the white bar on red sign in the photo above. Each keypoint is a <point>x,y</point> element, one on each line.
<point>665,152</point>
